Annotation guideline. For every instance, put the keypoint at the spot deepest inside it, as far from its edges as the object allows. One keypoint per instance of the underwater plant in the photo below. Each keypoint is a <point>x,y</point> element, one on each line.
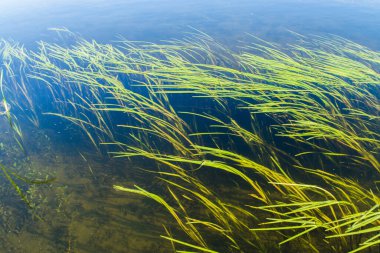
<point>10,175</point>
<point>273,148</point>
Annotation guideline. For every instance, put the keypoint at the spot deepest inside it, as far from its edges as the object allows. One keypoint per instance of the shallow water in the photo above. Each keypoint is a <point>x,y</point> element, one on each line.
<point>79,211</point>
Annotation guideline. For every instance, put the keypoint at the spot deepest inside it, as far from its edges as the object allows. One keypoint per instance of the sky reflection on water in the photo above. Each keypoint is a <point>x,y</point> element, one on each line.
<point>156,20</point>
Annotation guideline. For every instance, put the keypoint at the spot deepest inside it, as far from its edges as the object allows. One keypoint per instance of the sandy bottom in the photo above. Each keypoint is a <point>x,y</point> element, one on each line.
<point>80,211</point>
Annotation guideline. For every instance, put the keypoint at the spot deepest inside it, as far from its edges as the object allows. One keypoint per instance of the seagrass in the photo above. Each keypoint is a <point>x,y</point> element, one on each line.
<point>293,127</point>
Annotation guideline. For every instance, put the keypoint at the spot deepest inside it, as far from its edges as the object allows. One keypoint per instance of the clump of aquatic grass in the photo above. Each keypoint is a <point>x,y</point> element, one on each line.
<point>12,178</point>
<point>12,120</point>
<point>293,126</point>
<point>14,65</point>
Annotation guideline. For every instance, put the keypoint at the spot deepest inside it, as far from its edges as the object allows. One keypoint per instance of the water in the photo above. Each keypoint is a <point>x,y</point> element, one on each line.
<point>60,197</point>
<point>28,21</point>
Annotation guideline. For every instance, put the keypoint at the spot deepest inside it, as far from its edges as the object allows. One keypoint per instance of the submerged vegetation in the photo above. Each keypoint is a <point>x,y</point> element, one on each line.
<point>267,148</point>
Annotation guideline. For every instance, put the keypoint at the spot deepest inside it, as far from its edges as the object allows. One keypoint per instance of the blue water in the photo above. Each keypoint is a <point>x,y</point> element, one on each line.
<point>28,21</point>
